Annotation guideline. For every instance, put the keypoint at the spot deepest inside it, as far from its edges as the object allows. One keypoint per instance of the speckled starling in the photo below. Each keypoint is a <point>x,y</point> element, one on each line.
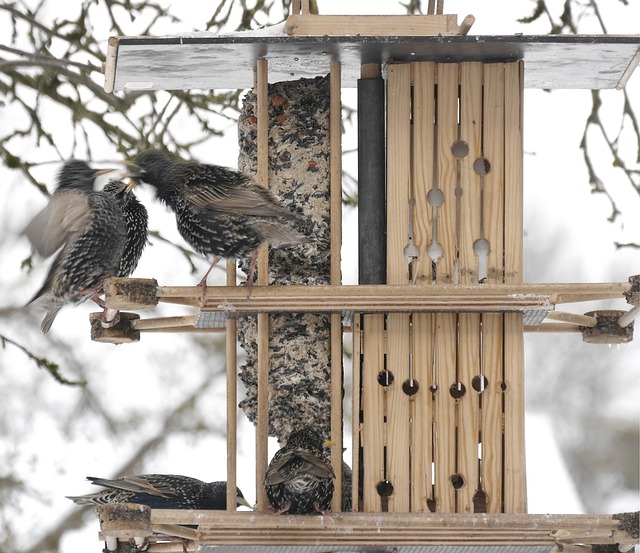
<point>220,212</point>
<point>136,221</point>
<point>347,483</point>
<point>92,228</point>
<point>66,211</point>
<point>299,479</point>
<point>160,491</point>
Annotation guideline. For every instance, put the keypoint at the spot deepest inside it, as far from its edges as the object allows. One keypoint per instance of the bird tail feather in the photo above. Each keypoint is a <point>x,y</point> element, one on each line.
<point>278,234</point>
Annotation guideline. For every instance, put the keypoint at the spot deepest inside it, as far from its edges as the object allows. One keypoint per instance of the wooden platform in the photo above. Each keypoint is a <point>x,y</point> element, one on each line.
<point>537,301</point>
<point>206,60</point>
<point>250,531</point>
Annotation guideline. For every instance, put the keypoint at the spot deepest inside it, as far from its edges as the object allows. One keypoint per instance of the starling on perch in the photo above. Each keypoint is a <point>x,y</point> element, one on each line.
<point>91,227</point>
<point>299,479</point>
<point>220,212</point>
<point>160,491</point>
<point>136,221</point>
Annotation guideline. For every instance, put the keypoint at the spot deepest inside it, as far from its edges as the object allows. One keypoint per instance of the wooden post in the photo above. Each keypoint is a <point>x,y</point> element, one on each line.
<point>262,427</point>
<point>335,145</point>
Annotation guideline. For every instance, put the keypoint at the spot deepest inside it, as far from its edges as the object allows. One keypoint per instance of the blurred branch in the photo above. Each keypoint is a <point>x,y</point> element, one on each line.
<point>573,11</point>
<point>43,363</point>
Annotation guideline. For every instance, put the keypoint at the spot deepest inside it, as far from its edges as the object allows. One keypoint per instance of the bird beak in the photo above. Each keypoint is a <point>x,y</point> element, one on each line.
<point>133,171</point>
<point>328,443</point>
<point>132,183</point>
<point>244,503</point>
<point>100,172</point>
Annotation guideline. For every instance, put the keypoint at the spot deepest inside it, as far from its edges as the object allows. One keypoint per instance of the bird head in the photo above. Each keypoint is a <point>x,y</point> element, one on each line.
<point>242,502</point>
<point>77,174</point>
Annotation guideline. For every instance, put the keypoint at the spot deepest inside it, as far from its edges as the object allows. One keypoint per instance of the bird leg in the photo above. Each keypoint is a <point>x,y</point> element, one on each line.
<point>252,272</point>
<point>203,281</point>
<point>316,506</point>
<point>97,299</point>
<point>284,509</point>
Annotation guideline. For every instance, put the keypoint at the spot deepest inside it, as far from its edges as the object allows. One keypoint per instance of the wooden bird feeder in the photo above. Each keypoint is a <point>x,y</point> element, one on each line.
<point>439,315</point>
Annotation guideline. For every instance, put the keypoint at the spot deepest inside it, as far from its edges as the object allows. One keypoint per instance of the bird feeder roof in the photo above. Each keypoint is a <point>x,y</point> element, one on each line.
<point>211,61</point>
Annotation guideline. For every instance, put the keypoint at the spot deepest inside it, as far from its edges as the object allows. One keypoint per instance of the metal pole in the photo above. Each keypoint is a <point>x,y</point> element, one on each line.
<point>371,177</point>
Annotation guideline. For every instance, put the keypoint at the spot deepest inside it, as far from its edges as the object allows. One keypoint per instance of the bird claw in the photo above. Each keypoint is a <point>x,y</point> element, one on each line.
<point>284,509</point>
<point>109,318</point>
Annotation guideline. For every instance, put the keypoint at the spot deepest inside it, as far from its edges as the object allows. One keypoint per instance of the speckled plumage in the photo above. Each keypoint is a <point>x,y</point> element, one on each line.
<point>219,212</point>
<point>160,491</point>
<point>136,221</point>
<point>91,230</point>
<point>299,479</point>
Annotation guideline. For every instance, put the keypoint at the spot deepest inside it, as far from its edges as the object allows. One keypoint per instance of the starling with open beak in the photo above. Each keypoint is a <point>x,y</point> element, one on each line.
<point>136,221</point>
<point>220,212</point>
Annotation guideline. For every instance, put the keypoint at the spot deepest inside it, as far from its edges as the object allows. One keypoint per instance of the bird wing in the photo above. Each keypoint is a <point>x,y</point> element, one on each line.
<point>220,189</point>
<point>66,214</point>
<point>296,463</point>
<point>150,484</point>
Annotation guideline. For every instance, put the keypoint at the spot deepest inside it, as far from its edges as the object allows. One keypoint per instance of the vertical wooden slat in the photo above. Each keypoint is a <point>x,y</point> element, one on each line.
<point>398,193</point>
<point>492,323</point>
<point>422,346</point>
<point>514,457</point>
<point>232,395</point>
<point>335,142</point>
<point>445,333</point>
<point>373,410</point>
<point>469,324</point>
<point>262,427</point>
<point>356,383</point>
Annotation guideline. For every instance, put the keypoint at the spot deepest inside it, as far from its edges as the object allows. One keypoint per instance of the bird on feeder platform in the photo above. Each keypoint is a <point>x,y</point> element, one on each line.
<point>90,227</point>
<point>136,221</point>
<point>220,212</point>
<point>299,479</point>
<point>160,491</point>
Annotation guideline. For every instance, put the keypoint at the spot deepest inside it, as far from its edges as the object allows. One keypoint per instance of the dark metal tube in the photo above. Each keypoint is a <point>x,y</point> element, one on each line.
<point>372,240</point>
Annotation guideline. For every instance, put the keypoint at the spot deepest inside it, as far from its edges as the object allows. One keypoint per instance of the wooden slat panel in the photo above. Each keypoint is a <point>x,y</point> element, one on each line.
<point>492,323</point>
<point>515,498</point>
<point>373,408</point>
<point>421,482</point>
<point>422,342</point>
<point>398,194</point>
<point>445,338</point>
<point>469,324</point>
<point>423,163</point>
<point>398,170</point>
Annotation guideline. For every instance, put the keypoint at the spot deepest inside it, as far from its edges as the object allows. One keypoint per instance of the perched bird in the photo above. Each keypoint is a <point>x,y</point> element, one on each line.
<point>220,212</point>
<point>136,221</point>
<point>90,227</point>
<point>299,479</point>
<point>66,211</point>
<point>160,491</point>
<point>347,482</point>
